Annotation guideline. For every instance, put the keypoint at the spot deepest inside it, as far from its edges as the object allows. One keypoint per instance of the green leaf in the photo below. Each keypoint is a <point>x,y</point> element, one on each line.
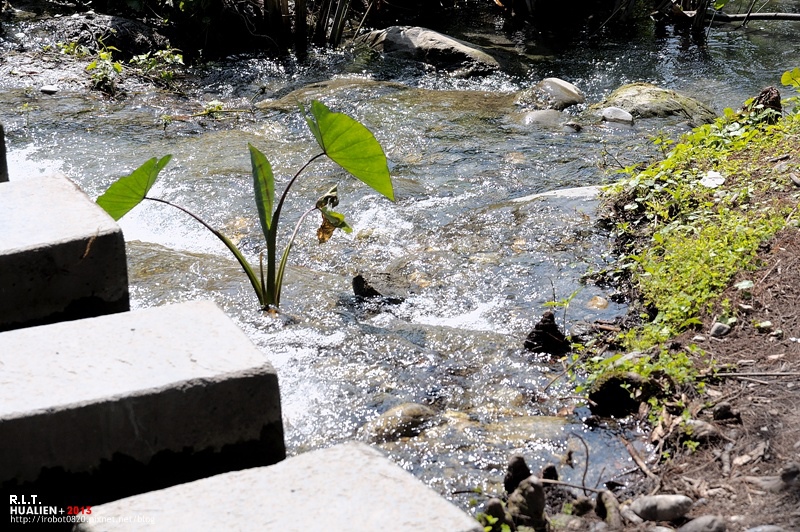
<point>791,78</point>
<point>352,146</point>
<point>128,191</point>
<point>264,187</point>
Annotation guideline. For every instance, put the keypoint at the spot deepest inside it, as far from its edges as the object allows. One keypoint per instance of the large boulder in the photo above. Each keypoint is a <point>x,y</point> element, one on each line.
<point>428,46</point>
<point>643,100</point>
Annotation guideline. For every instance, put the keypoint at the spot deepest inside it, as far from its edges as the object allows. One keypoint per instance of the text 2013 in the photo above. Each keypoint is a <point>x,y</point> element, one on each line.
<point>78,510</point>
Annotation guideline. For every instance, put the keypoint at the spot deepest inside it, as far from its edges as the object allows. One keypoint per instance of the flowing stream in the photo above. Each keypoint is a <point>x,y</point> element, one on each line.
<point>477,251</point>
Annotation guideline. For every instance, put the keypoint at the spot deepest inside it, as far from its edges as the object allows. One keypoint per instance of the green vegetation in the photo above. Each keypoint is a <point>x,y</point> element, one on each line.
<point>343,140</point>
<point>159,65</point>
<point>687,225</point>
<point>104,70</point>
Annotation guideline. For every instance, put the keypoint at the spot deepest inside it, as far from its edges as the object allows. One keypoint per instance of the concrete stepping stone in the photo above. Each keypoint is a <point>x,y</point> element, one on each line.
<point>350,487</point>
<point>103,408</point>
<point>61,256</point>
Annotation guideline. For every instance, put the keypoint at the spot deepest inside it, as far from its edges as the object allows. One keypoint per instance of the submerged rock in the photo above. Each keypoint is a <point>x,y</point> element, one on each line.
<point>547,338</point>
<point>388,290</point>
<point>428,46</point>
<point>402,421</point>
<point>643,100</point>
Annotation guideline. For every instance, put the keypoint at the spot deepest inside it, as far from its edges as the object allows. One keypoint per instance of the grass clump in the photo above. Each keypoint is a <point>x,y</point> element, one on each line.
<point>687,224</point>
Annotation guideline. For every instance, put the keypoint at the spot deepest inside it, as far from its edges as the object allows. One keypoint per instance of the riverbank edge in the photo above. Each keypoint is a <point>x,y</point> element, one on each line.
<point>674,353</point>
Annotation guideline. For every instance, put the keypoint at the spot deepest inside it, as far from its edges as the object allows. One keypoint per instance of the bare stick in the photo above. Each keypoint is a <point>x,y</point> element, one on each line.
<point>586,465</point>
<point>756,374</point>
<point>638,460</point>
<point>567,484</point>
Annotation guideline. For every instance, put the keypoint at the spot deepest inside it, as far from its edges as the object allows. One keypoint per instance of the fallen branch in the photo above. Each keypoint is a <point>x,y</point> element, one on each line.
<point>757,374</point>
<point>722,17</point>
<point>643,466</point>
<point>568,485</point>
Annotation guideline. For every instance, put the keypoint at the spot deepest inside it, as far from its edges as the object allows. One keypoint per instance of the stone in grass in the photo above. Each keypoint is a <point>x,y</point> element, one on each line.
<point>706,523</point>
<point>718,330</point>
<point>661,507</point>
<point>527,503</point>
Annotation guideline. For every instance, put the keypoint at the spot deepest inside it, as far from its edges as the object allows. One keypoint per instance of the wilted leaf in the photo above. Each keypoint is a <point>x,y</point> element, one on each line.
<point>325,231</point>
<point>128,191</point>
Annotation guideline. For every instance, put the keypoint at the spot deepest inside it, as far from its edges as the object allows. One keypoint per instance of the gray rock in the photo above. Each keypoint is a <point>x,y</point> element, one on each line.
<point>561,94</point>
<point>644,100</point>
<point>718,330</point>
<point>49,89</point>
<point>766,528</point>
<point>616,114</point>
<point>661,507</point>
<point>706,523</point>
<point>404,420</point>
<point>422,44</point>
<point>527,504</point>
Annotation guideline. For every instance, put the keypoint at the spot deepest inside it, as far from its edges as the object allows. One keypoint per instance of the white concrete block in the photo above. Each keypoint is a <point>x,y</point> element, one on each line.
<point>350,487</point>
<point>106,398</point>
<point>61,256</point>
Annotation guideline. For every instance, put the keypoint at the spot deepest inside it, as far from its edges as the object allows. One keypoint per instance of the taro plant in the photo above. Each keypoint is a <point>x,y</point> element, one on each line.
<point>342,139</point>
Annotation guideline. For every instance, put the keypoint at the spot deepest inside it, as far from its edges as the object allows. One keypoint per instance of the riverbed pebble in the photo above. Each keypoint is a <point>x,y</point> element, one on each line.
<point>661,507</point>
<point>49,89</point>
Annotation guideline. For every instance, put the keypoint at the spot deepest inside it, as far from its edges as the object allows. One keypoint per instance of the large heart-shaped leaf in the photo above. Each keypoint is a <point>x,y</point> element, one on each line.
<point>352,146</point>
<point>128,191</point>
<point>263,186</point>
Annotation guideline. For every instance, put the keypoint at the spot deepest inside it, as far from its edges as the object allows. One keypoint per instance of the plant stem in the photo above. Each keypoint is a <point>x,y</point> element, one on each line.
<point>273,295</point>
<point>230,245</point>
<point>285,256</point>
